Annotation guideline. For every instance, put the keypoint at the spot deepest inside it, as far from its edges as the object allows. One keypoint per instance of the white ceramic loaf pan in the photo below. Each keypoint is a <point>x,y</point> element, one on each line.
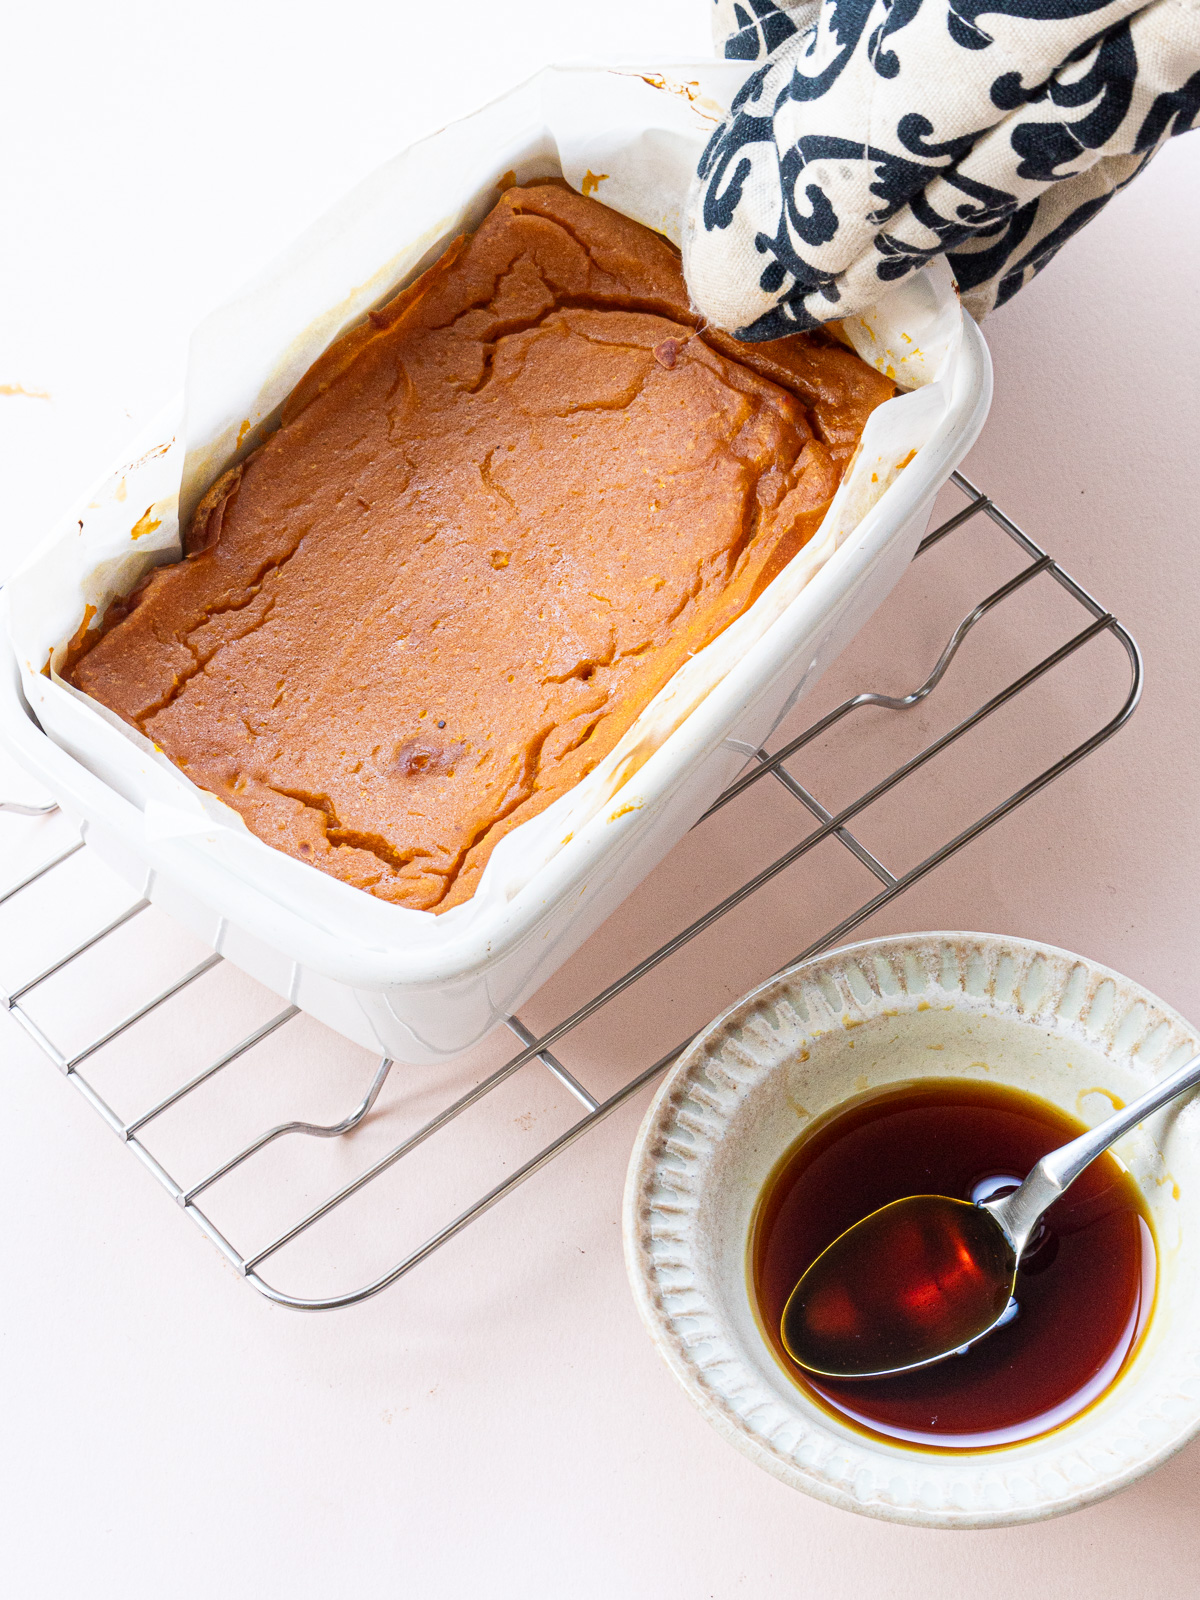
<point>414,985</point>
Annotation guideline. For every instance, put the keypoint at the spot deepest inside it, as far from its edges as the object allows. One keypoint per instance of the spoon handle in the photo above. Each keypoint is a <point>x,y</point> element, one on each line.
<point>1018,1213</point>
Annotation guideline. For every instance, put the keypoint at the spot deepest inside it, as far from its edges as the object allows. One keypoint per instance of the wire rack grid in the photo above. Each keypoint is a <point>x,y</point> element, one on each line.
<point>138,1132</point>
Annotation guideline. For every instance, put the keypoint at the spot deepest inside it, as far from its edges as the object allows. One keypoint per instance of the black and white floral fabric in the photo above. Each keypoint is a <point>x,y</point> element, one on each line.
<point>879,133</point>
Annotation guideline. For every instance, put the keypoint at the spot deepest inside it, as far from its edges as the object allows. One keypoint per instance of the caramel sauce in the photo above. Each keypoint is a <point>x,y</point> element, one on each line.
<point>1085,1286</point>
<point>922,1277</point>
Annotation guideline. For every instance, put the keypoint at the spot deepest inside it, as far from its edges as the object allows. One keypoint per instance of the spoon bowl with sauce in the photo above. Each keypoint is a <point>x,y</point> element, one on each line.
<point>927,1276</point>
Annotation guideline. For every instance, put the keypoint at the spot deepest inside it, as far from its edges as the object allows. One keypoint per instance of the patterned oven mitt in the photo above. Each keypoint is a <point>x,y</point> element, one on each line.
<point>880,133</point>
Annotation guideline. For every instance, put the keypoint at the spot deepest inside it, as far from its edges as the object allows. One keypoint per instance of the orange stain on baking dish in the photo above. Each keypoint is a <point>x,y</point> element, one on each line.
<point>27,394</point>
<point>145,524</point>
<point>159,450</point>
<point>242,432</point>
<point>689,91</point>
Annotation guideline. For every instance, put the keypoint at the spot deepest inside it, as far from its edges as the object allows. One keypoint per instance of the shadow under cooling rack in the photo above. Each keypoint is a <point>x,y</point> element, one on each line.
<point>198,1075</point>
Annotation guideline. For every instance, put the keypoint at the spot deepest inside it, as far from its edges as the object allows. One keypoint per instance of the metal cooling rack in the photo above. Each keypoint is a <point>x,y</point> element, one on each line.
<point>138,1132</point>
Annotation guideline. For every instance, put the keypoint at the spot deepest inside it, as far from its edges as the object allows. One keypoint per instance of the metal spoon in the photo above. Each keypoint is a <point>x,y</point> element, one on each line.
<point>927,1277</point>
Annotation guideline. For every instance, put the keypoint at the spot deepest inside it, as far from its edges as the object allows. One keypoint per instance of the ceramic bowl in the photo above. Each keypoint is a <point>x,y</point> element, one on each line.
<point>960,1005</point>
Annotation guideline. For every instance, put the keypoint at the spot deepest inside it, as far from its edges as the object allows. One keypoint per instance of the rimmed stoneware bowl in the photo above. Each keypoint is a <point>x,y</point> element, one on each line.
<point>927,1005</point>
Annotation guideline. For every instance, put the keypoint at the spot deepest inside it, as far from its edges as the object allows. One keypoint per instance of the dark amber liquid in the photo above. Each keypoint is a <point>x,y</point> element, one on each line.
<point>1085,1286</point>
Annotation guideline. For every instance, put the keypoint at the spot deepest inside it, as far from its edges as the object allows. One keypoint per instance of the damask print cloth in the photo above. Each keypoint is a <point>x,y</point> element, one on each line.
<point>877,134</point>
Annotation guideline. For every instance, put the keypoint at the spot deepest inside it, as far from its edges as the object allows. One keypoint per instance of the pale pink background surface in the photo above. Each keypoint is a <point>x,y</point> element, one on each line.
<point>498,1424</point>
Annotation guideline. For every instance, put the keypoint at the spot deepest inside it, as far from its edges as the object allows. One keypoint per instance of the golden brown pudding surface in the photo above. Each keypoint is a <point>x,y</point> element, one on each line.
<point>496,518</point>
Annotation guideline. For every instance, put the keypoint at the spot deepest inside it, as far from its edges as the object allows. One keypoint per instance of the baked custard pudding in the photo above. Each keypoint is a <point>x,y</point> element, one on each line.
<point>495,519</point>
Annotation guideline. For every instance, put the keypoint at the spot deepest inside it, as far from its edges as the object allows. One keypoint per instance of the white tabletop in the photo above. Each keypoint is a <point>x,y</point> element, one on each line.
<point>498,1424</point>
